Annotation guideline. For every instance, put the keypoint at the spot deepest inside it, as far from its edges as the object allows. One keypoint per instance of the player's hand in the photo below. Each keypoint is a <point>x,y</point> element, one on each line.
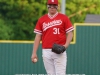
<point>65,46</point>
<point>34,56</point>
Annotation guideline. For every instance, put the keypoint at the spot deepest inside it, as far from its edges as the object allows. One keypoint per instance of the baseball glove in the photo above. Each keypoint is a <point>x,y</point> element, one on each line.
<point>58,49</point>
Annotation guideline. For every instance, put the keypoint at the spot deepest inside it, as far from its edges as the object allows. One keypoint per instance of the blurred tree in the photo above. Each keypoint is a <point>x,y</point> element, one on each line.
<point>18,17</point>
<point>5,31</point>
<point>21,16</point>
<point>77,10</point>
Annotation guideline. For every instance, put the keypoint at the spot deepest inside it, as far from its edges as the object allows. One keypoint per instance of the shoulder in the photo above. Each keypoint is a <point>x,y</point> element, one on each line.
<point>43,17</point>
<point>63,16</point>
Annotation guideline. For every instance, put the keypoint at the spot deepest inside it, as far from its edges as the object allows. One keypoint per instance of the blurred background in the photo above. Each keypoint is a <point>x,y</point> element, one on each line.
<point>18,17</point>
<point>17,21</point>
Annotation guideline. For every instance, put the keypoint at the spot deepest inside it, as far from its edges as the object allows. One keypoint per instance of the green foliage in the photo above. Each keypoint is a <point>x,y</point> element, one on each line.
<point>77,10</point>
<point>18,17</point>
<point>21,17</point>
<point>5,31</point>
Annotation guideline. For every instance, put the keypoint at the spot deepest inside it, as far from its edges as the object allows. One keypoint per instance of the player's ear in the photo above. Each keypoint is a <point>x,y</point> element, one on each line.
<point>59,7</point>
<point>48,6</point>
<point>56,6</point>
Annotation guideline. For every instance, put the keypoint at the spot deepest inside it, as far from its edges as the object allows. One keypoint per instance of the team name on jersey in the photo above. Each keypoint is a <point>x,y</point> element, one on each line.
<point>51,24</point>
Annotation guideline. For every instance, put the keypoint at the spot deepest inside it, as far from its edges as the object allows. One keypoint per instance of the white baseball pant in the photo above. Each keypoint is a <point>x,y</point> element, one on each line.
<point>55,64</point>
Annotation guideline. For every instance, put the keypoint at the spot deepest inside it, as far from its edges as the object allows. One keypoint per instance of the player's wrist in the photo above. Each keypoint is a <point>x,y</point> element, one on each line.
<point>66,46</point>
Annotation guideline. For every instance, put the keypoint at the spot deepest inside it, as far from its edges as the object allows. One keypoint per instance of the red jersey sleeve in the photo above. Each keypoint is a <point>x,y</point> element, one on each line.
<point>38,27</point>
<point>68,25</point>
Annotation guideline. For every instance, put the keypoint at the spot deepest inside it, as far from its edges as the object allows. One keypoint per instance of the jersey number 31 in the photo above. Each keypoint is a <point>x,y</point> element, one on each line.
<point>56,31</point>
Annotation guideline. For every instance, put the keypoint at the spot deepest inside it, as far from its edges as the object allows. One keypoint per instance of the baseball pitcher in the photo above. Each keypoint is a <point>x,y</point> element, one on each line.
<point>55,31</point>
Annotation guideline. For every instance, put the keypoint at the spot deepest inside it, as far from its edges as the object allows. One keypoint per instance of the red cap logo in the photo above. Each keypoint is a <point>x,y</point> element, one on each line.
<point>53,2</point>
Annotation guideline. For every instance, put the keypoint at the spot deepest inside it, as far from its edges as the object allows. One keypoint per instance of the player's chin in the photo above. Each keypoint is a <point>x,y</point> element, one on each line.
<point>52,12</point>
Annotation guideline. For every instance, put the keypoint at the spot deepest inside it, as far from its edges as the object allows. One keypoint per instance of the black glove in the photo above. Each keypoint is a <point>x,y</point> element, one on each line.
<point>58,49</point>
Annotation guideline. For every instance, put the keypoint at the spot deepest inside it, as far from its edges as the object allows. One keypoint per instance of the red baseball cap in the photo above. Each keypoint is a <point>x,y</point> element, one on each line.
<point>52,2</point>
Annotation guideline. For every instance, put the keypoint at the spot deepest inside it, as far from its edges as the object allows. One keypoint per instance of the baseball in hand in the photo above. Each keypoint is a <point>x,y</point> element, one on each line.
<point>35,60</point>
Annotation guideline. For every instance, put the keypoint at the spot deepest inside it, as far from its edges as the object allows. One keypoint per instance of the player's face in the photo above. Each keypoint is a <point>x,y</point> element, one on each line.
<point>52,8</point>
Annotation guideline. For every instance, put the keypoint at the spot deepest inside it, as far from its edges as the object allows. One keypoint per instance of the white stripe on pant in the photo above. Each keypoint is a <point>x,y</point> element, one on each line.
<point>55,64</point>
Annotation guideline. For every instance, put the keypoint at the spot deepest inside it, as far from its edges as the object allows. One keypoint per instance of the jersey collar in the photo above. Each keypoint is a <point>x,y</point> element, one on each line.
<point>51,17</point>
